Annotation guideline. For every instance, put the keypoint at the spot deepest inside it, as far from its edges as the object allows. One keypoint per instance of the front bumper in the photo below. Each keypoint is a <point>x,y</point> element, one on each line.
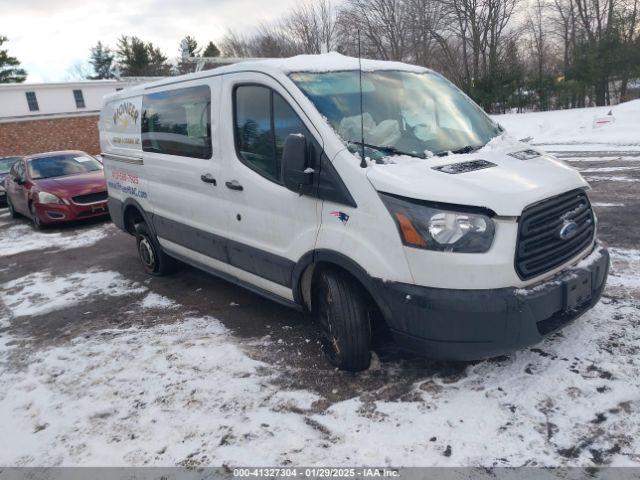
<point>475,324</point>
<point>56,213</point>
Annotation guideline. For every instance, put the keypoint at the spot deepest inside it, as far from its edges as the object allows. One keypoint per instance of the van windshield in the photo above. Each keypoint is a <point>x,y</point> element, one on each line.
<point>403,112</point>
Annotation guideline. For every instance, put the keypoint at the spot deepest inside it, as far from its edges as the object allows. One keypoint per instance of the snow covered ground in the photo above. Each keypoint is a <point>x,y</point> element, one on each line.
<point>101,365</point>
<point>577,129</point>
<point>186,391</point>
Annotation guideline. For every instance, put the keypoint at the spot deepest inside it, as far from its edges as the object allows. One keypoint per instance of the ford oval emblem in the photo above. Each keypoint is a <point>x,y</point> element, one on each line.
<point>568,230</point>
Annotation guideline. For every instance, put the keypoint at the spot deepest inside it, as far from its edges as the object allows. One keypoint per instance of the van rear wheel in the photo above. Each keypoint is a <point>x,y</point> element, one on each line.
<point>153,258</point>
<point>340,308</point>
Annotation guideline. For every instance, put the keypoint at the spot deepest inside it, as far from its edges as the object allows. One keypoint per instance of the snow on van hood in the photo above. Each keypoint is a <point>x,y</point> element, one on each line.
<point>506,188</point>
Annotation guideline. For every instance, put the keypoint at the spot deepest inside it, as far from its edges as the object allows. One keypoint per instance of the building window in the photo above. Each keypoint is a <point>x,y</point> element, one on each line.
<point>77,95</point>
<point>178,122</point>
<point>32,101</point>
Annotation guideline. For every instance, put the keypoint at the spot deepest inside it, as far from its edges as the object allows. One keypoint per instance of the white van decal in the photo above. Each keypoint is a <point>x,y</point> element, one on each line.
<point>125,112</point>
<point>126,183</point>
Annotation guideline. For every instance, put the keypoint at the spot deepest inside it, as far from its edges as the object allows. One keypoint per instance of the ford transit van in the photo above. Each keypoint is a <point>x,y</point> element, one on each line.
<point>367,193</point>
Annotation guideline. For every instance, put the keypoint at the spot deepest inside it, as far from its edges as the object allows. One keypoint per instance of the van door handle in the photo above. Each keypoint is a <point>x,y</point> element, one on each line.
<point>234,185</point>
<point>207,178</point>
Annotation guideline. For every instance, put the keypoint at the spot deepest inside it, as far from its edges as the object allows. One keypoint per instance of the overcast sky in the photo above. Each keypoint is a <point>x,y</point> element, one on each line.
<point>50,36</point>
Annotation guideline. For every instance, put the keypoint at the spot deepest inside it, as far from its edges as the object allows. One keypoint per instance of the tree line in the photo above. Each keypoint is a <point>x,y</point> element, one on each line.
<point>506,54</point>
<point>134,57</point>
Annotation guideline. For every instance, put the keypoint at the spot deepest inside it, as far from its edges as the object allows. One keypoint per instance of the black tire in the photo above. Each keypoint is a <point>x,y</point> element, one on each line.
<point>12,210</point>
<point>340,307</point>
<point>35,219</point>
<point>152,257</point>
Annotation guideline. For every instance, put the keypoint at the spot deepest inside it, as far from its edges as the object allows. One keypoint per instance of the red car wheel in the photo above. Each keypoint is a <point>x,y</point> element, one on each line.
<point>37,223</point>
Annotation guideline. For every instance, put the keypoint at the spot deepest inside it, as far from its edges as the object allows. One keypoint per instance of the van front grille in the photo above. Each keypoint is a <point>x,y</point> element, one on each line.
<point>90,198</point>
<point>541,247</point>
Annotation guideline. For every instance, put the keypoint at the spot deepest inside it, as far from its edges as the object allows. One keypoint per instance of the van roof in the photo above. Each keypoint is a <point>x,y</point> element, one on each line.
<point>327,62</point>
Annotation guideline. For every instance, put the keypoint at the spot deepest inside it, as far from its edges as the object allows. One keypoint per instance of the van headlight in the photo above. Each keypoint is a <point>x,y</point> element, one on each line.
<point>46,197</point>
<point>433,228</point>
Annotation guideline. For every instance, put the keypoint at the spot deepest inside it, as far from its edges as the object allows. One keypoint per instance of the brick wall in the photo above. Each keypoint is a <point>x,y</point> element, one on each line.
<point>37,136</point>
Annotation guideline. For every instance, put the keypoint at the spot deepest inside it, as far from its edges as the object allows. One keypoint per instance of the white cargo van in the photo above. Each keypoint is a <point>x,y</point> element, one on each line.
<point>463,243</point>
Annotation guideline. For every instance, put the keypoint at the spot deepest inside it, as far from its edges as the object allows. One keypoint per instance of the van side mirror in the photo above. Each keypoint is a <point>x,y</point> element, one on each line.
<point>296,176</point>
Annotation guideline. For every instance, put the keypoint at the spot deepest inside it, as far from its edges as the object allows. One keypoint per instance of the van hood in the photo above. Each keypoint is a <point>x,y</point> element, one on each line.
<point>506,185</point>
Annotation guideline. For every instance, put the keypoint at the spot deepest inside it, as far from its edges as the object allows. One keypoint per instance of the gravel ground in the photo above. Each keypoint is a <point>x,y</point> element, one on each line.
<point>102,365</point>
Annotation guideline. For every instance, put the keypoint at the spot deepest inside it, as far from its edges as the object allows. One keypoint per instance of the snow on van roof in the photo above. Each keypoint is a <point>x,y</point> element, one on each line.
<point>326,62</point>
<point>333,61</point>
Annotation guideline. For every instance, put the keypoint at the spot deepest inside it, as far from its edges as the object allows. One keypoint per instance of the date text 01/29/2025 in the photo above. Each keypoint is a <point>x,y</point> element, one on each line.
<point>316,472</point>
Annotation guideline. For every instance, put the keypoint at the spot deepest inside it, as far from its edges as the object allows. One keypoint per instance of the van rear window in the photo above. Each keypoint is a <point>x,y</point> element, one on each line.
<point>178,122</point>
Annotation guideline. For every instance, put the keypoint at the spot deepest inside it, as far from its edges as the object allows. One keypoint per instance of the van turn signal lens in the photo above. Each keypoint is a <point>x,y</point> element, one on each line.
<point>411,236</point>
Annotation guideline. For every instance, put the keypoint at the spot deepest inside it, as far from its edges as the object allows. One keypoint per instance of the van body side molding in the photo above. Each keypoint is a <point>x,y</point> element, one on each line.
<point>250,259</point>
<point>230,278</point>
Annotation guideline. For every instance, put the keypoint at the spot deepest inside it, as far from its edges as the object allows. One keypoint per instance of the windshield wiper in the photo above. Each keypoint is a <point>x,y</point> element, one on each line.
<point>387,149</point>
<point>465,149</point>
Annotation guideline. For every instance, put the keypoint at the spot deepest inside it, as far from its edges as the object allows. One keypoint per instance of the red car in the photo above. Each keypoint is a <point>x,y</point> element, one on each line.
<point>57,187</point>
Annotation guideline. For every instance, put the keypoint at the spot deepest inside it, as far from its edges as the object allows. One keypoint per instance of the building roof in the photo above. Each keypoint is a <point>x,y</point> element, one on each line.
<point>77,84</point>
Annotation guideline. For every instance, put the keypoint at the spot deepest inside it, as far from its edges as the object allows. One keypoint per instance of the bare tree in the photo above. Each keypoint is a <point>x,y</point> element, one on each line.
<point>382,25</point>
<point>311,25</point>
<point>539,48</point>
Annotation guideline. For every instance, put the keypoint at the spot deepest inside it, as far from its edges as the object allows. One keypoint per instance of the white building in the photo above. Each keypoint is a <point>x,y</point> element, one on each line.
<point>22,101</point>
<point>43,117</point>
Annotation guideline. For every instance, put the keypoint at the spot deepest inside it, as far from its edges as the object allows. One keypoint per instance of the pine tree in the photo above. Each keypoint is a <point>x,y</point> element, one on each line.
<point>101,59</point>
<point>190,46</point>
<point>138,59</point>
<point>211,50</point>
<point>188,49</point>
<point>9,66</point>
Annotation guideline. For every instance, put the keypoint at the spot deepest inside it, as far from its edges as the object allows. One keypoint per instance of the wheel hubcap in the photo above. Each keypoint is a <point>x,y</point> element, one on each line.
<point>146,252</point>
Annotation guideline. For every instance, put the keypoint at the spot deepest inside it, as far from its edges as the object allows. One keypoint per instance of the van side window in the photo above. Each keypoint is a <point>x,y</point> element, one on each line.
<point>178,122</point>
<point>263,119</point>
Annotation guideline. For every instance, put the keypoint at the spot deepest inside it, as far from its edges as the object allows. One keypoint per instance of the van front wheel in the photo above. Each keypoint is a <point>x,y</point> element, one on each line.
<point>153,259</point>
<point>340,308</point>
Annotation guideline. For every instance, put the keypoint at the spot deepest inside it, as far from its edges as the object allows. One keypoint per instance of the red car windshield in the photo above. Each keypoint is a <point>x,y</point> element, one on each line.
<point>62,166</point>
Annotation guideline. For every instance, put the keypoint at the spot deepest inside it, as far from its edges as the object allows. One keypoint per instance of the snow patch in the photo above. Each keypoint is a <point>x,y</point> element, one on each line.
<point>22,238</point>
<point>603,178</point>
<point>574,127</point>
<point>42,292</point>
<point>154,300</point>
<point>606,169</point>
<point>332,62</point>
<point>605,205</point>
<point>165,395</point>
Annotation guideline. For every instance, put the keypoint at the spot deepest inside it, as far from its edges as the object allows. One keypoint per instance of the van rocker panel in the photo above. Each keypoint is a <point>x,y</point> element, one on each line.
<point>465,325</point>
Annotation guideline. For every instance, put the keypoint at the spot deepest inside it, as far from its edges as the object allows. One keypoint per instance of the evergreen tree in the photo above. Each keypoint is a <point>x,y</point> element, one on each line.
<point>101,59</point>
<point>10,71</point>
<point>211,50</point>
<point>189,46</point>
<point>188,49</point>
<point>138,59</point>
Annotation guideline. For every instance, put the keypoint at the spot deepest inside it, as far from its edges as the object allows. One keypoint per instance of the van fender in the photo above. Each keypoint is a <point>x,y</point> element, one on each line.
<point>301,277</point>
<point>147,217</point>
